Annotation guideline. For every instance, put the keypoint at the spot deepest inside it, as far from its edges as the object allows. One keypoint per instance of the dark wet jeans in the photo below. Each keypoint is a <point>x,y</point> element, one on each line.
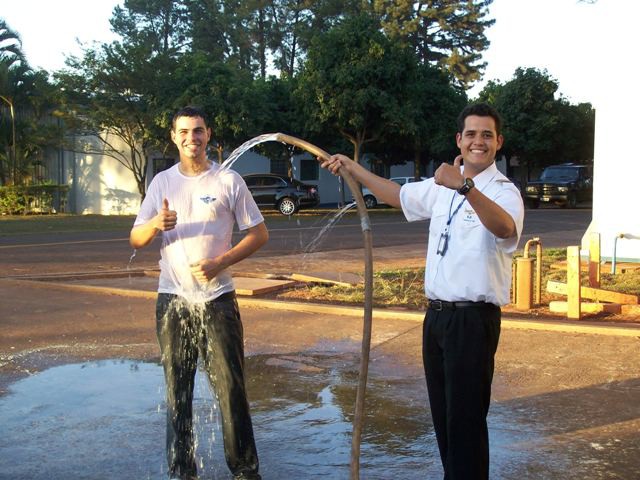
<point>214,331</point>
<point>459,346</point>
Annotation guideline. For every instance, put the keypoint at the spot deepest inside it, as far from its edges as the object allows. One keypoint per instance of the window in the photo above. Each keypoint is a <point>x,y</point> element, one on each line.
<point>309,170</point>
<point>251,181</point>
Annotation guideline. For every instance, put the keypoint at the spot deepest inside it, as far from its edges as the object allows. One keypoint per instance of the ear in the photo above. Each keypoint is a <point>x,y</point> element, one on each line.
<point>458,138</point>
<point>500,142</point>
<point>173,136</point>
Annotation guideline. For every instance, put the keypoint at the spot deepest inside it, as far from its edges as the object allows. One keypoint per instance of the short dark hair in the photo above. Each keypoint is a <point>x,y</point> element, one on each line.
<point>189,111</point>
<point>481,110</point>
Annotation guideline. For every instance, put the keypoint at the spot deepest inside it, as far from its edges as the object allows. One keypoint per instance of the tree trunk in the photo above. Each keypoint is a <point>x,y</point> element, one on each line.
<point>416,163</point>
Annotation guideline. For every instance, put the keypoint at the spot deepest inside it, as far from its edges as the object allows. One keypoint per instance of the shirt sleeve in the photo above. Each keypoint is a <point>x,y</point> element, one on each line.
<point>151,204</point>
<point>510,200</point>
<point>247,213</point>
<point>417,199</point>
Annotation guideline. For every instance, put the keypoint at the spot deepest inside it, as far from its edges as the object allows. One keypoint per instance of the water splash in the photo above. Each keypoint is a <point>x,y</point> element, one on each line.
<point>133,255</point>
<point>246,146</point>
<point>317,240</point>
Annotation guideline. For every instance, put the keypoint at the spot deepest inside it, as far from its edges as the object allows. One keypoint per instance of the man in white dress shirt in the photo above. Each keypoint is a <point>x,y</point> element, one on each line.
<point>476,220</point>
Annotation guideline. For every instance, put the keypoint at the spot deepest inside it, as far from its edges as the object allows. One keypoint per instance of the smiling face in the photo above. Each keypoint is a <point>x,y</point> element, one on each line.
<point>478,143</point>
<point>191,136</point>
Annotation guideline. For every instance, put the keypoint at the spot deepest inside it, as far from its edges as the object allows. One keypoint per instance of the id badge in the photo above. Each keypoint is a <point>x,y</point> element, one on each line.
<point>443,243</point>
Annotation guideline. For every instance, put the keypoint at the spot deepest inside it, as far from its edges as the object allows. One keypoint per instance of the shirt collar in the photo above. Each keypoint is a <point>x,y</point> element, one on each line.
<point>482,179</point>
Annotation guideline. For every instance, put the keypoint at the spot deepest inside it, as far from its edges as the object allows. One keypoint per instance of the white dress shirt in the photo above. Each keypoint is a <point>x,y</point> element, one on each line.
<point>476,265</point>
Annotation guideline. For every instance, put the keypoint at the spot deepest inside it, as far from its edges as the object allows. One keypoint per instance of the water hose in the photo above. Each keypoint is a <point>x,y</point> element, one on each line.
<point>368,296</point>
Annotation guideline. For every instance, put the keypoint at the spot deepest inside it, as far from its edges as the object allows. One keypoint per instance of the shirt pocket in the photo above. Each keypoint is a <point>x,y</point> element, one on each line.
<point>438,221</point>
<point>468,218</point>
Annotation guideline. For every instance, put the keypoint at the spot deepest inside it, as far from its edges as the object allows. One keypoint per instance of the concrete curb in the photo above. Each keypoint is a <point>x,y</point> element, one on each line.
<point>564,326</point>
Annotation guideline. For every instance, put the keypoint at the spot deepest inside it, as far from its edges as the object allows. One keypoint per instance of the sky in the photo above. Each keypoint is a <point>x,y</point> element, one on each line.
<point>558,36</point>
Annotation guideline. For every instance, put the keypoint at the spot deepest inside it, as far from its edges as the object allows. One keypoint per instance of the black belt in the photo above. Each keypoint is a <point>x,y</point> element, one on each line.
<point>439,305</point>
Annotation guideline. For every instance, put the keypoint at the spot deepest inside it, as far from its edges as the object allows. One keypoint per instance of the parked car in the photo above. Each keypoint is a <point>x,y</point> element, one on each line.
<point>370,199</point>
<point>565,184</point>
<point>285,194</point>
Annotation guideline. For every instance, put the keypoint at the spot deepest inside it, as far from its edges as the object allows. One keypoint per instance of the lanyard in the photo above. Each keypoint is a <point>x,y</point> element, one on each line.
<point>451,215</point>
<point>443,244</point>
<point>444,236</point>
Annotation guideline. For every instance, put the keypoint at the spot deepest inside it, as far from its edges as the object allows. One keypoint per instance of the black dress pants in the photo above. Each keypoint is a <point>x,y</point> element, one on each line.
<point>214,331</point>
<point>459,345</point>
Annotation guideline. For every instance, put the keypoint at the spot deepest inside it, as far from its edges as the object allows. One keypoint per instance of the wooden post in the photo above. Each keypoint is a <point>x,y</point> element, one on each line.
<point>594,260</point>
<point>573,283</point>
<point>524,285</point>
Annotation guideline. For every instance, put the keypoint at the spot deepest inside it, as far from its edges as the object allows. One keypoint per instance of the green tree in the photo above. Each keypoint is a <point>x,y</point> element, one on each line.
<point>10,46</point>
<point>435,103</point>
<point>355,82</point>
<point>541,127</point>
<point>27,103</point>
<point>12,67</point>
<point>228,95</point>
<point>160,25</point>
<point>446,33</point>
<point>297,22</point>
<point>574,136</point>
<point>263,36</point>
<point>124,90</point>
<point>117,94</point>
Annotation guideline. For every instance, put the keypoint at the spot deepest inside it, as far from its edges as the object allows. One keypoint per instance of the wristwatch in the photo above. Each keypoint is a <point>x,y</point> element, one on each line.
<point>468,185</point>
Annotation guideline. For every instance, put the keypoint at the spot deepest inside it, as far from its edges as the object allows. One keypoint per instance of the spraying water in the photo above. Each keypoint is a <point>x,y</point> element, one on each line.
<point>315,243</point>
<point>246,146</point>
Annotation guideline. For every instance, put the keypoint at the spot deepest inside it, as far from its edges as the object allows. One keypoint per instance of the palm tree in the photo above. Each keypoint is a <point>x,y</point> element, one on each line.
<point>13,65</point>
<point>10,46</point>
<point>11,53</point>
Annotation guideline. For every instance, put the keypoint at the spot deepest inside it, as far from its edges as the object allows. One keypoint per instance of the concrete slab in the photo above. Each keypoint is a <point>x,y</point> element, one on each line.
<point>148,282</point>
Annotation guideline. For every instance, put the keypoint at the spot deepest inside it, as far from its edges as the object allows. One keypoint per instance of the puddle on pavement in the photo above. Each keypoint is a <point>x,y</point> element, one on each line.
<point>105,419</point>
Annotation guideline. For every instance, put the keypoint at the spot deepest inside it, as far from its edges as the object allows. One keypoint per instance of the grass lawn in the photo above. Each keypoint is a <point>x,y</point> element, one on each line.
<point>25,224</point>
<point>405,287</point>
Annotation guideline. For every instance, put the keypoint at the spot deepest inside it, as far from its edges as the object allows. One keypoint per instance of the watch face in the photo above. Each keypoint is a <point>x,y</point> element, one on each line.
<point>468,185</point>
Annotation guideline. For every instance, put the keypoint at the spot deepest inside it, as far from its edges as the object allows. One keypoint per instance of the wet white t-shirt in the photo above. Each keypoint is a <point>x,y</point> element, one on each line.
<point>207,207</point>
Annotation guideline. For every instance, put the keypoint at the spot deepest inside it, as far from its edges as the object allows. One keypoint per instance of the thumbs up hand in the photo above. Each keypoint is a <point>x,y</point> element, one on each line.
<point>450,176</point>
<point>166,219</point>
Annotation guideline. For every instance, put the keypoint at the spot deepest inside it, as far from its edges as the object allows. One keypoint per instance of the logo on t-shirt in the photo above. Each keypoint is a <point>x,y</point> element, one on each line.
<point>208,199</point>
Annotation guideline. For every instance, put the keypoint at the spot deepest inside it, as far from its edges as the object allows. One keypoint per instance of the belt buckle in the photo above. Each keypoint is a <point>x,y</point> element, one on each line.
<point>436,305</point>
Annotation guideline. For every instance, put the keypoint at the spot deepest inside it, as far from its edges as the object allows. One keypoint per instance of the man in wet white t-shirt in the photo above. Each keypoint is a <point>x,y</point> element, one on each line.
<point>195,205</point>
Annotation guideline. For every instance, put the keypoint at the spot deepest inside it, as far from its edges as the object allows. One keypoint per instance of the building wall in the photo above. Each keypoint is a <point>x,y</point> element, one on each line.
<point>99,183</point>
<point>616,159</point>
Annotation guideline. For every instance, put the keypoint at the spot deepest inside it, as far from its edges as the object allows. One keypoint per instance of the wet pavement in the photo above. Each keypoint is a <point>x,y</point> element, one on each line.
<point>81,395</point>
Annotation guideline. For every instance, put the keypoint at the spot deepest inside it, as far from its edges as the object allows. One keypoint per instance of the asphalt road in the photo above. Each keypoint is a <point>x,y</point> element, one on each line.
<point>99,251</point>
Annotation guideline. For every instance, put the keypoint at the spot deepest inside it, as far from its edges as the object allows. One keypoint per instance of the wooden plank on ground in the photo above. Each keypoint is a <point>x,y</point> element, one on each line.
<point>596,294</point>
<point>586,307</point>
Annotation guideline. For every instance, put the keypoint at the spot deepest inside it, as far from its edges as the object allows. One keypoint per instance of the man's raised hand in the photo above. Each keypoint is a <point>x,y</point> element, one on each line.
<point>166,219</point>
<point>450,176</point>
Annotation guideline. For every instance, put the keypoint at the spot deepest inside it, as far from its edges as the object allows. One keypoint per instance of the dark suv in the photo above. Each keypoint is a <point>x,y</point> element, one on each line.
<point>285,194</point>
<point>565,184</point>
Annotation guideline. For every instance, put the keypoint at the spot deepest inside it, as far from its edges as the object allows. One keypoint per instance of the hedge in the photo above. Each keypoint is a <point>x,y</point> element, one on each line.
<point>25,199</point>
